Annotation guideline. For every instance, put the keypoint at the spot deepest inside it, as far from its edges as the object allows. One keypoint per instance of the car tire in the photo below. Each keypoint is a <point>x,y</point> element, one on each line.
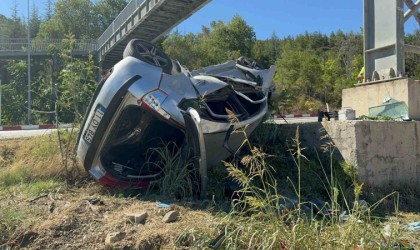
<point>148,53</point>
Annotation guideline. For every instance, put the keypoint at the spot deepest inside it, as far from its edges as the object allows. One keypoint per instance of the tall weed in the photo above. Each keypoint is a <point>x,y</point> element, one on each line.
<point>263,218</point>
<point>180,178</point>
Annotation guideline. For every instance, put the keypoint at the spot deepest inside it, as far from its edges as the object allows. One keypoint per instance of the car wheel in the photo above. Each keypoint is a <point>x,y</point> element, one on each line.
<point>148,53</point>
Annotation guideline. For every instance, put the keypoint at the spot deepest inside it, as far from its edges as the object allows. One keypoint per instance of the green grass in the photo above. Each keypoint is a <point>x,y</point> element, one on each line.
<point>10,219</point>
<point>17,215</point>
<point>32,189</point>
<point>180,179</point>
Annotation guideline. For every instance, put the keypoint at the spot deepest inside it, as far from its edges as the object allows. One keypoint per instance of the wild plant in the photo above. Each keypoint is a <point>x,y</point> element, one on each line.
<point>180,178</point>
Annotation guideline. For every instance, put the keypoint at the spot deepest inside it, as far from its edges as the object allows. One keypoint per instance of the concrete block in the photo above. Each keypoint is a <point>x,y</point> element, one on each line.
<point>137,218</point>
<point>361,97</point>
<point>383,152</point>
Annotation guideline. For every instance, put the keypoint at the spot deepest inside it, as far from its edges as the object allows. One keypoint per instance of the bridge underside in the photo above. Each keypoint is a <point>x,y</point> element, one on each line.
<point>150,21</point>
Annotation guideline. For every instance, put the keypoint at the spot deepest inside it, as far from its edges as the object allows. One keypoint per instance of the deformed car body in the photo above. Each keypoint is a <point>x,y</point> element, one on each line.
<point>148,100</point>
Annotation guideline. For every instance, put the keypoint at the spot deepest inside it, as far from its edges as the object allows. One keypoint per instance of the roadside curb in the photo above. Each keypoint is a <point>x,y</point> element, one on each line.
<point>33,127</point>
<point>298,115</point>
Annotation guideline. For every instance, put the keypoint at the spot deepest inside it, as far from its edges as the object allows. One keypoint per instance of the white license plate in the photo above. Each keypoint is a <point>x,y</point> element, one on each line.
<point>94,123</point>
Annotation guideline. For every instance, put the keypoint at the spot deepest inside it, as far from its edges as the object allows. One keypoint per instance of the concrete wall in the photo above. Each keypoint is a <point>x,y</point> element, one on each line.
<point>384,152</point>
<point>362,97</point>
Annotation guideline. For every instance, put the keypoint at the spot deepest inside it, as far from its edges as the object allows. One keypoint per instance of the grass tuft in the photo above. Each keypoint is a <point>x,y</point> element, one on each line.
<point>180,178</point>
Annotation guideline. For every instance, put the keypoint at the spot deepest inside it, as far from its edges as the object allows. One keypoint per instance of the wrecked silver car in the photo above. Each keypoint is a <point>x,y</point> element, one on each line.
<point>148,100</point>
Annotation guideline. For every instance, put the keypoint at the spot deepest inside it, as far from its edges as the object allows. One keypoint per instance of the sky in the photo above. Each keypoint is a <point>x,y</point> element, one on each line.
<point>282,17</point>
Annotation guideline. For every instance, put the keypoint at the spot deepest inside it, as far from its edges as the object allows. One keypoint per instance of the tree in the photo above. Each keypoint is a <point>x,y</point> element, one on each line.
<point>412,66</point>
<point>268,51</point>
<point>215,44</point>
<point>71,17</point>
<point>17,27</point>
<point>5,31</point>
<point>15,94</point>
<point>76,83</point>
<point>84,19</point>
<point>34,22</point>
<point>106,11</point>
<point>182,48</point>
<point>49,10</point>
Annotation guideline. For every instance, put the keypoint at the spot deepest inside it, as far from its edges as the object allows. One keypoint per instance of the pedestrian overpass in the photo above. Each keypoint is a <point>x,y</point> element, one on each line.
<point>145,19</point>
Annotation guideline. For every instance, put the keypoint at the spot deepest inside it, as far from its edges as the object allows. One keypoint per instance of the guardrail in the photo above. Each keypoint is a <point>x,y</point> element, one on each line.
<point>43,45</point>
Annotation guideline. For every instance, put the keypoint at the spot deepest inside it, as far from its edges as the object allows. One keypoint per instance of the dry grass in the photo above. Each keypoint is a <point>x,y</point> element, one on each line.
<point>8,149</point>
<point>35,159</point>
<point>39,210</point>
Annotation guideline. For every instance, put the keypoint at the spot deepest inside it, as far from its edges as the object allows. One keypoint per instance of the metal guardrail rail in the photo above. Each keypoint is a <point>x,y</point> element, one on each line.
<point>15,47</point>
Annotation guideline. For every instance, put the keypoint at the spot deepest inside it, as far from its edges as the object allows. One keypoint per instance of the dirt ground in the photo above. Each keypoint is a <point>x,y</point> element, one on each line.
<point>81,218</point>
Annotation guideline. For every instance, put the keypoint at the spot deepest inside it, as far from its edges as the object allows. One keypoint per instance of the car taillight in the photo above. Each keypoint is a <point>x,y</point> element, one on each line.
<point>110,181</point>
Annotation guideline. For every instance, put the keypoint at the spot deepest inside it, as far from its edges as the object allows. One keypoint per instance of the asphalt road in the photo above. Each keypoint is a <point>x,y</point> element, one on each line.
<point>15,134</point>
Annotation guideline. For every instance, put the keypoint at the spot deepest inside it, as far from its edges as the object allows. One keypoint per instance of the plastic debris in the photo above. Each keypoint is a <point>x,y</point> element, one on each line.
<point>387,231</point>
<point>344,216</point>
<point>162,205</point>
<point>414,226</point>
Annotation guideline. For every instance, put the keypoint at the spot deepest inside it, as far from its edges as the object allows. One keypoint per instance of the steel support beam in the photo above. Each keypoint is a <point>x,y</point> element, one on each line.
<point>412,10</point>
<point>383,39</point>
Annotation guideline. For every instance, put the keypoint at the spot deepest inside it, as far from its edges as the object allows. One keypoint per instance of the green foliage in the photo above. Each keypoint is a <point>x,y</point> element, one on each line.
<point>179,175</point>
<point>105,11</point>
<point>182,48</point>
<point>73,78</point>
<point>378,118</point>
<point>10,220</point>
<point>14,94</point>
<point>312,68</point>
<point>77,83</point>
<point>412,60</point>
<point>74,17</point>
<point>317,67</point>
<point>219,43</point>
<point>268,51</point>
<point>34,21</point>
<point>85,19</point>
<point>262,219</point>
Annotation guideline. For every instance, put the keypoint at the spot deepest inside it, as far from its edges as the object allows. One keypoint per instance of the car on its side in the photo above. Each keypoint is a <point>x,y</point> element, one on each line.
<point>148,100</point>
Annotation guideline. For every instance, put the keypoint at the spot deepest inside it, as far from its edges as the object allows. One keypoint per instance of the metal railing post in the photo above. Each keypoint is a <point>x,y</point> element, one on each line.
<point>29,69</point>
<point>0,102</point>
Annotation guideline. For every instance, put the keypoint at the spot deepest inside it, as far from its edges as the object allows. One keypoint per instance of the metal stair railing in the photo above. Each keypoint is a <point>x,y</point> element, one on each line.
<point>119,21</point>
<point>20,45</point>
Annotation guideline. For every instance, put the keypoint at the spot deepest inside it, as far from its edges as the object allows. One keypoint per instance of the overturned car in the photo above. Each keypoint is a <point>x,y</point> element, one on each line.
<point>148,99</point>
